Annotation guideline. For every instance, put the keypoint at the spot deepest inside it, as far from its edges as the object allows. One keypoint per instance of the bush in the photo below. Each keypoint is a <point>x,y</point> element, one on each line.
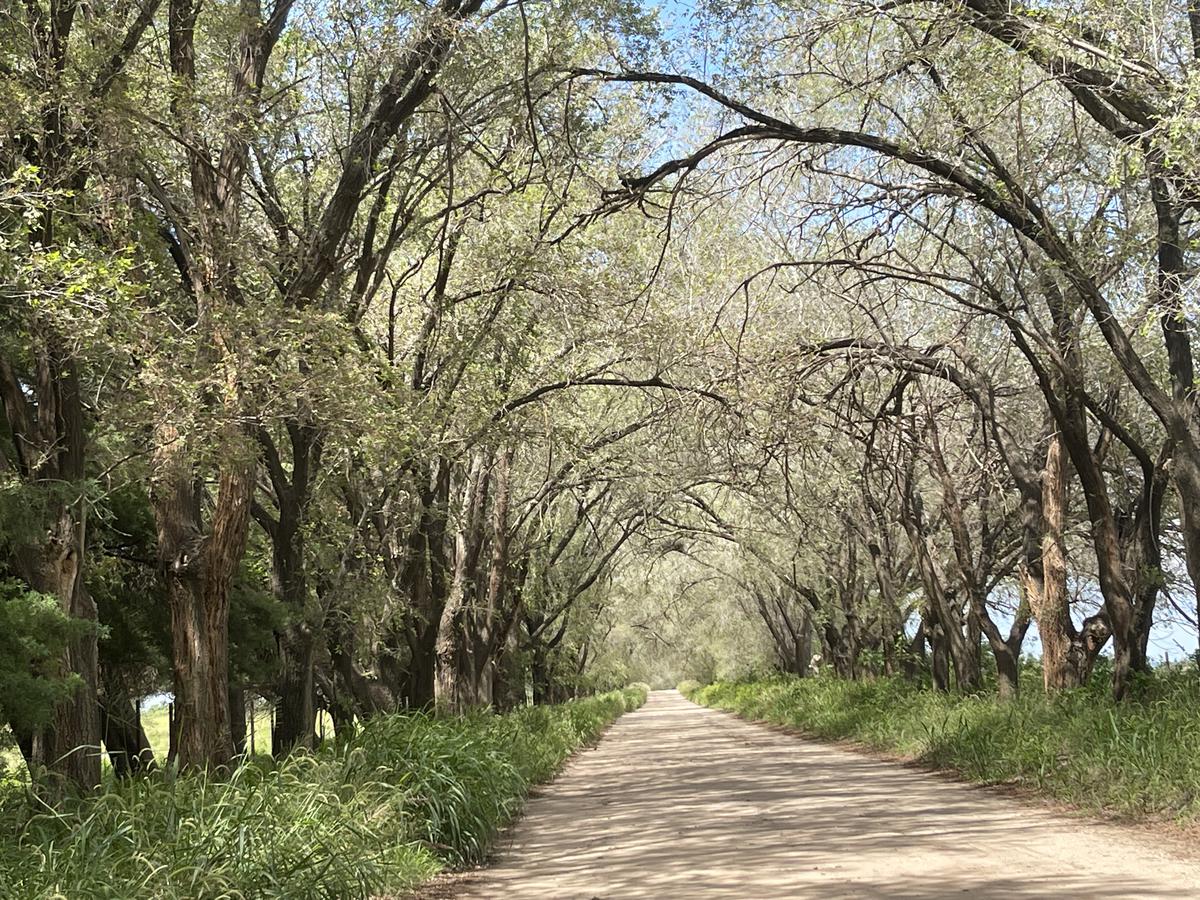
<point>635,695</point>
<point>408,796</point>
<point>1137,758</point>
<point>34,632</point>
<point>688,688</point>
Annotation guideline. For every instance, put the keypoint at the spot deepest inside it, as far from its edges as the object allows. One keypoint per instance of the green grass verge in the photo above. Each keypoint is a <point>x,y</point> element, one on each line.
<point>1139,759</point>
<point>408,797</point>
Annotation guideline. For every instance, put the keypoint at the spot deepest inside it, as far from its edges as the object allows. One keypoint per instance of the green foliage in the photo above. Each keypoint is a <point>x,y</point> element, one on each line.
<point>635,695</point>
<point>688,688</point>
<point>407,797</point>
<point>22,506</point>
<point>123,580</point>
<point>34,632</point>
<point>1137,758</point>
<point>255,617</point>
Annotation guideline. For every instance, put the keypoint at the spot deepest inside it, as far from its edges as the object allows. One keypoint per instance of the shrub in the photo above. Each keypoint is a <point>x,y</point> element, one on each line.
<point>34,632</point>
<point>688,688</point>
<point>635,695</point>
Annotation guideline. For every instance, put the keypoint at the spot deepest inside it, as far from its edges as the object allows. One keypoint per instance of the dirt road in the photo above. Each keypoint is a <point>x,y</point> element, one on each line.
<point>684,802</point>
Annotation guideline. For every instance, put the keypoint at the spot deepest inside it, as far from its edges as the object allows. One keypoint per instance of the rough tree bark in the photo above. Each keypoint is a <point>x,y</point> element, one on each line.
<point>199,568</point>
<point>452,686</point>
<point>490,626</point>
<point>48,453</point>
<point>1068,654</point>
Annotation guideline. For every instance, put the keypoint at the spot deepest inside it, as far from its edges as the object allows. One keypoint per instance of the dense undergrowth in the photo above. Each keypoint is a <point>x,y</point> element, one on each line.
<point>1137,759</point>
<point>409,796</point>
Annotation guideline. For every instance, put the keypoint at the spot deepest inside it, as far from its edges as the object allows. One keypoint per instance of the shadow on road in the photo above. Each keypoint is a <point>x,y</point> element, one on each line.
<point>681,801</point>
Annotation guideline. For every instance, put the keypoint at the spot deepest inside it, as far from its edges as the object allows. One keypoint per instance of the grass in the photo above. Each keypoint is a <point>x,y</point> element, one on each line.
<point>408,797</point>
<point>1140,759</point>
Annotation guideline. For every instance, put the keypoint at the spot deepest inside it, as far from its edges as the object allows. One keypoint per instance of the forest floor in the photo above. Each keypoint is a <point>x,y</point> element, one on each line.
<point>680,801</point>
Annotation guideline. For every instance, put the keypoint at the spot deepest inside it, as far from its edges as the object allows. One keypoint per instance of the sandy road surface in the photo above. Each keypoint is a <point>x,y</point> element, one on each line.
<point>679,801</point>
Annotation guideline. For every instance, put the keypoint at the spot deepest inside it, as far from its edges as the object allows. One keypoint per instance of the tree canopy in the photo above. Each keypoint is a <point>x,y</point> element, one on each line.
<point>373,355</point>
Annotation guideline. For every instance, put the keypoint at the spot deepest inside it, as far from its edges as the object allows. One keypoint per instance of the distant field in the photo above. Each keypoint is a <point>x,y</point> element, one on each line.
<point>155,721</point>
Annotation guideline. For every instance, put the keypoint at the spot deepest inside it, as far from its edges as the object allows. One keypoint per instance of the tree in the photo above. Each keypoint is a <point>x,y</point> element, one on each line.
<point>64,84</point>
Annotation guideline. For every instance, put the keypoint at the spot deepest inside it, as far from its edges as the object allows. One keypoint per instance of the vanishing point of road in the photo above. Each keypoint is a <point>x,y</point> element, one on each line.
<point>679,801</point>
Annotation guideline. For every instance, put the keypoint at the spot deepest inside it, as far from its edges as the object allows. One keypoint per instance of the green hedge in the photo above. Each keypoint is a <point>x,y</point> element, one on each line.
<point>1139,758</point>
<point>409,796</point>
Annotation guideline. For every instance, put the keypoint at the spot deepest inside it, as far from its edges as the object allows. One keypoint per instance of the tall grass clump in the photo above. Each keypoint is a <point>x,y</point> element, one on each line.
<point>409,796</point>
<point>1136,759</point>
<point>635,695</point>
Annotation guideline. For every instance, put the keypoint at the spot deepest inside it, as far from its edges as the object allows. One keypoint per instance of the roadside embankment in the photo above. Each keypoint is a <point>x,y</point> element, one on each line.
<point>1136,759</point>
<point>409,796</point>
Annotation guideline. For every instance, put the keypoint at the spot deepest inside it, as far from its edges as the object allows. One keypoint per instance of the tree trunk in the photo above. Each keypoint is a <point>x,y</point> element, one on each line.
<point>1186,472</point>
<point>1007,671</point>
<point>125,740</point>
<point>422,580</point>
<point>1174,273</point>
<point>200,652</point>
<point>419,690</point>
<point>452,682</point>
<point>492,625</point>
<point>355,692</point>
<point>337,702</point>
<point>199,571</point>
<point>836,651</point>
<point>51,443</point>
<point>911,663</point>
<point>939,653</point>
<point>1071,416</point>
<point>237,718</point>
<point>71,743</point>
<point>296,641</point>
<point>893,630</point>
<point>172,735</point>
<point>1068,654</point>
<point>296,716</point>
<point>1046,578</point>
<point>539,675</point>
<point>508,684</point>
<point>943,609</point>
<point>1118,597</point>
